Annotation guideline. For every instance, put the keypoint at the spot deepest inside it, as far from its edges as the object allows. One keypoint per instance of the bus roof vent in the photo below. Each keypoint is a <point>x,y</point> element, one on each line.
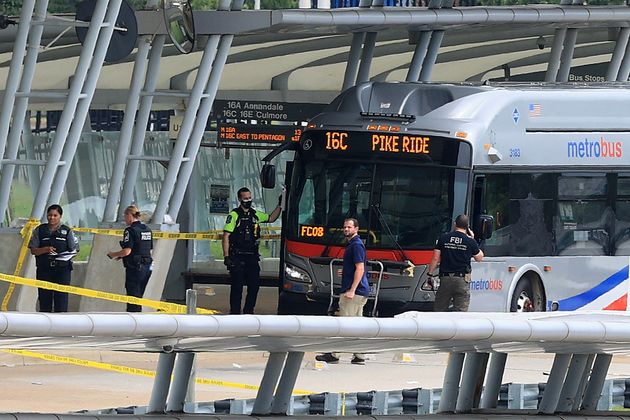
<point>380,98</point>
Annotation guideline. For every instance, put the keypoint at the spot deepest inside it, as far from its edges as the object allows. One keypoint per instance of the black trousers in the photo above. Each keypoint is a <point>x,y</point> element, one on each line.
<point>50,300</point>
<point>136,280</point>
<point>245,272</point>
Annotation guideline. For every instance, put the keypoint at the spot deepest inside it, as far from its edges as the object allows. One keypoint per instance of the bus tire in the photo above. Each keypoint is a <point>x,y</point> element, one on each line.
<point>528,295</point>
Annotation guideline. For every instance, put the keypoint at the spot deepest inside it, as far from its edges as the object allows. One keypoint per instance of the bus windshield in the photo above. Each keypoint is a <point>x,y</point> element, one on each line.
<point>395,204</point>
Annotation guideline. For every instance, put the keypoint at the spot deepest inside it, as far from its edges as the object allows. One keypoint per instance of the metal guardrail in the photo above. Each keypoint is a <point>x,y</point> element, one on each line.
<point>615,394</point>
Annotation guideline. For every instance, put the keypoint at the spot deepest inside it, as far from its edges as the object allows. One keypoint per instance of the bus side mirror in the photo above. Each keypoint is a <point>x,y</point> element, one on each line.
<point>485,228</point>
<point>268,176</point>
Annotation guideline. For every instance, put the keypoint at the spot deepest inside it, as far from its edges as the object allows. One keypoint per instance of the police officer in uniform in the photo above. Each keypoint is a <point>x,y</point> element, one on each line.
<point>453,252</point>
<point>136,249</point>
<point>241,235</point>
<point>49,240</point>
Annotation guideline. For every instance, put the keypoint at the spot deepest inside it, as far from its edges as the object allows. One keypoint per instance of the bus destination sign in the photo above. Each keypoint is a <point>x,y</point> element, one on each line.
<point>321,144</point>
<point>382,143</point>
<point>258,133</point>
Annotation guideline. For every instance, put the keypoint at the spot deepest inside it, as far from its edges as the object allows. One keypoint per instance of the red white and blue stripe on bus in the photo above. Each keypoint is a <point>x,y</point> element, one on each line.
<point>610,294</point>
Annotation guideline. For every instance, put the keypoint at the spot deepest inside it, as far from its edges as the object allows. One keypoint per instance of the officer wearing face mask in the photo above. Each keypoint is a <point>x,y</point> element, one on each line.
<point>241,235</point>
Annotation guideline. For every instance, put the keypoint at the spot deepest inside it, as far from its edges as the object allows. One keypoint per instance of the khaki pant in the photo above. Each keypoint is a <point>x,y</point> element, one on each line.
<point>352,307</point>
<point>455,289</point>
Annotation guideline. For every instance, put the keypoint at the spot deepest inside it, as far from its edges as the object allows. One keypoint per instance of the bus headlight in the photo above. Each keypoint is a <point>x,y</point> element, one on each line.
<point>295,274</point>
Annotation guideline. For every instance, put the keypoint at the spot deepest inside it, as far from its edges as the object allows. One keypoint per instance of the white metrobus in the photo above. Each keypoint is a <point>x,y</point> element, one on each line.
<point>549,163</point>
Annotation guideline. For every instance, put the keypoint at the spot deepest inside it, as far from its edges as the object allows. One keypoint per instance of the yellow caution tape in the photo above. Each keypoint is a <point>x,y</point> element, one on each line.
<point>130,370</point>
<point>26,232</point>
<point>31,224</point>
<point>167,307</point>
<point>210,235</point>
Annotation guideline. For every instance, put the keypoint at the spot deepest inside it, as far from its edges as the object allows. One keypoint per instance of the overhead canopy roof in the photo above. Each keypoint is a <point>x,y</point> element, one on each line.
<point>558,332</point>
<point>300,54</point>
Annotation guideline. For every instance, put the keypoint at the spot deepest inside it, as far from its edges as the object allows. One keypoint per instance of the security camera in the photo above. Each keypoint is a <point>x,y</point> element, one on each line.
<point>168,349</point>
<point>541,42</point>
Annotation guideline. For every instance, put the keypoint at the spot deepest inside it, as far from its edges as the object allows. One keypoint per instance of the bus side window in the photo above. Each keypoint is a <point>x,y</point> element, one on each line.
<point>584,217</point>
<point>621,240</point>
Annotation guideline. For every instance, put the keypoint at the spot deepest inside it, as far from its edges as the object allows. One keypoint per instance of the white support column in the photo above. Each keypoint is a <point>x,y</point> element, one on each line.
<point>264,397</point>
<point>354,56</point>
<point>554,57</point>
<point>126,131</point>
<point>490,396</point>
<point>282,397</point>
<point>69,109</point>
<point>596,382</point>
<point>363,74</point>
<point>83,105</point>
<point>450,387</point>
<point>567,55</point>
<point>419,54</point>
<point>429,60</point>
<point>568,395</point>
<point>142,119</point>
<point>551,395</point>
<point>21,103</point>
<point>15,69</point>
<point>162,383</point>
<point>472,380</point>
<point>618,54</point>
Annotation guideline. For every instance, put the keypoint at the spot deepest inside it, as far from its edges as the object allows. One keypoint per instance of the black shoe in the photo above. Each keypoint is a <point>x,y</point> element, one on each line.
<point>327,357</point>
<point>357,361</point>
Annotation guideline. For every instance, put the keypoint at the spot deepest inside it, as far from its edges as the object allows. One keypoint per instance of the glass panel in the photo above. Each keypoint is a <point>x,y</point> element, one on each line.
<point>583,218</point>
<point>522,207</point>
<point>582,186</point>
<point>410,212</point>
<point>621,240</point>
<point>325,194</point>
<point>401,209</point>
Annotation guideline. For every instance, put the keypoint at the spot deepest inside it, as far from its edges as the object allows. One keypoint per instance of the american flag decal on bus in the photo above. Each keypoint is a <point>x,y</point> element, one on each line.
<point>534,110</point>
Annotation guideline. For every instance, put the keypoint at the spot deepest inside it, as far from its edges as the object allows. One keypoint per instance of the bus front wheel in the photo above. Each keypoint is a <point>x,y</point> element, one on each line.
<point>526,297</point>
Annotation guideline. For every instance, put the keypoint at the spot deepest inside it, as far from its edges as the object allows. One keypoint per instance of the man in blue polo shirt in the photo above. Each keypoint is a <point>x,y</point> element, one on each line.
<point>355,288</point>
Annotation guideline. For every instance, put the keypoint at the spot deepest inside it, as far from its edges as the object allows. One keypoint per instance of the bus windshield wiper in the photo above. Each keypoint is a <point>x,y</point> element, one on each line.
<point>383,221</point>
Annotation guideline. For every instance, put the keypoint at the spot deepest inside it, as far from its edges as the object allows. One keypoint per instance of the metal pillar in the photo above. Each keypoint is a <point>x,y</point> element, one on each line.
<point>363,74</point>
<point>450,387</point>
<point>124,140</point>
<point>472,380</point>
<point>579,395</point>
<point>21,103</point>
<point>94,71</point>
<point>191,308</point>
<point>352,66</point>
<point>596,382</point>
<point>200,126</point>
<point>551,395</point>
<point>568,395</point>
<point>183,369</point>
<point>264,397</point>
<point>624,69</point>
<point>27,141</point>
<point>282,398</point>
<point>554,56</point>
<point>431,57</point>
<point>13,77</point>
<point>140,128</point>
<point>162,383</point>
<point>618,54</point>
<point>567,55</point>
<point>419,54</point>
<point>490,396</point>
<point>69,109</point>
<point>184,366</point>
<point>183,136</point>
